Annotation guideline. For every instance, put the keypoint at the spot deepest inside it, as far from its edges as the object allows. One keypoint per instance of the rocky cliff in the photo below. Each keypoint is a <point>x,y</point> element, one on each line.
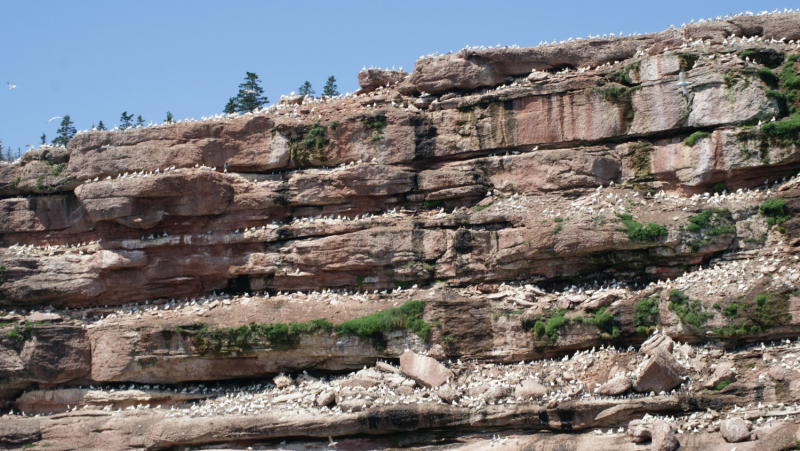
<point>557,244</point>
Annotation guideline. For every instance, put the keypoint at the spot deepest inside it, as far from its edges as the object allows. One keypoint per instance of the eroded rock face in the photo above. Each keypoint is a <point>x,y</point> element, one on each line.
<point>548,220</point>
<point>18,433</point>
<point>56,354</point>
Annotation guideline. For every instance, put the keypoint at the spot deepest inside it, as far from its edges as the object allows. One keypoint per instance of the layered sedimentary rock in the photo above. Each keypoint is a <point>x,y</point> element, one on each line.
<point>485,242</point>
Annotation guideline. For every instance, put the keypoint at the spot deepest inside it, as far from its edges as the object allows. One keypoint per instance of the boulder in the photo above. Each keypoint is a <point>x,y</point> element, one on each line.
<point>530,389</point>
<point>661,372</point>
<point>615,386</point>
<point>325,398</point>
<point>777,373</point>
<point>639,431</point>
<point>437,352</point>
<point>664,438</point>
<point>353,405</point>
<point>426,371</point>
<point>497,393</point>
<point>734,430</point>
<point>447,394</point>
<point>722,373</point>
<point>282,381</point>
<point>794,390</point>
<point>372,79</point>
<point>655,341</point>
<point>383,366</point>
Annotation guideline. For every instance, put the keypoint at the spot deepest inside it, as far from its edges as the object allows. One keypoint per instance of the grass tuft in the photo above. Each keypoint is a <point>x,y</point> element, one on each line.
<point>692,139</point>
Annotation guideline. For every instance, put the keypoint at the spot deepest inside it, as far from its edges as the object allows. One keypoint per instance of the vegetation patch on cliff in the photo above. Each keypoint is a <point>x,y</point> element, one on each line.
<point>637,232</point>
<point>687,60</point>
<point>238,339</point>
<point>761,312</point>
<point>306,144</point>
<point>775,212</point>
<point>692,139</point>
<point>548,324</point>
<point>376,123</point>
<point>374,327</point>
<point>640,153</point>
<point>704,227</point>
<point>286,335</point>
<point>646,315</point>
<point>689,311</point>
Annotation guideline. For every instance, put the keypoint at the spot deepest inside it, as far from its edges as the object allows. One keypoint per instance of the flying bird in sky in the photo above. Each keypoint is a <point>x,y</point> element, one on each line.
<point>52,119</point>
<point>10,86</point>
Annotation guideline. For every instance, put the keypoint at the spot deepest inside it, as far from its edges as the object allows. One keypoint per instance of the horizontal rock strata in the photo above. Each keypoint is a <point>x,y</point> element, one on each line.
<point>555,239</point>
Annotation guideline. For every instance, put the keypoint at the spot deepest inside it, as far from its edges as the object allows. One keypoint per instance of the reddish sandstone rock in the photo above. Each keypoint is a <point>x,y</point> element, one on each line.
<point>447,394</point>
<point>426,371</point>
<point>530,389</point>
<point>663,437</point>
<point>662,372</point>
<point>19,432</point>
<point>372,79</point>
<point>639,431</point>
<point>616,386</point>
<point>734,430</point>
<point>656,341</point>
<point>282,381</point>
<point>144,202</point>
<point>722,373</point>
<point>56,353</point>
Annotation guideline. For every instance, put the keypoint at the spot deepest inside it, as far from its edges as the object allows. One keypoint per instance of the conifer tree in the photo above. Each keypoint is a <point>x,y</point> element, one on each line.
<point>306,90</point>
<point>43,138</point>
<point>66,132</point>
<point>169,119</point>
<point>101,126</point>
<point>230,107</point>
<point>330,90</point>
<point>125,120</point>
<point>139,121</point>
<point>249,98</point>
<point>2,155</point>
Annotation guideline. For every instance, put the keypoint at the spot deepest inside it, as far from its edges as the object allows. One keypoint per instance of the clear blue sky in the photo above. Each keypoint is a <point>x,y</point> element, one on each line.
<point>94,60</point>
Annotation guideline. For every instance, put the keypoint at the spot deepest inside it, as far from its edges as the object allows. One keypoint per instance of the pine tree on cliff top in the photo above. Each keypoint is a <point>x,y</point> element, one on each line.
<point>330,89</point>
<point>101,126</point>
<point>125,120</point>
<point>250,96</point>
<point>66,132</point>
<point>306,90</point>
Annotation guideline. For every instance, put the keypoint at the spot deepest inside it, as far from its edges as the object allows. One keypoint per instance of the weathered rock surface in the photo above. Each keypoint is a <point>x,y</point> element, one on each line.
<point>616,386</point>
<point>722,373</point>
<point>663,437</point>
<point>734,430</point>
<point>661,372</point>
<point>552,207</point>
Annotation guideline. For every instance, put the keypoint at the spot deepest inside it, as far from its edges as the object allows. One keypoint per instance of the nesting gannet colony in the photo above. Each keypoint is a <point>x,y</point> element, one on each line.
<point>591,243</point>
